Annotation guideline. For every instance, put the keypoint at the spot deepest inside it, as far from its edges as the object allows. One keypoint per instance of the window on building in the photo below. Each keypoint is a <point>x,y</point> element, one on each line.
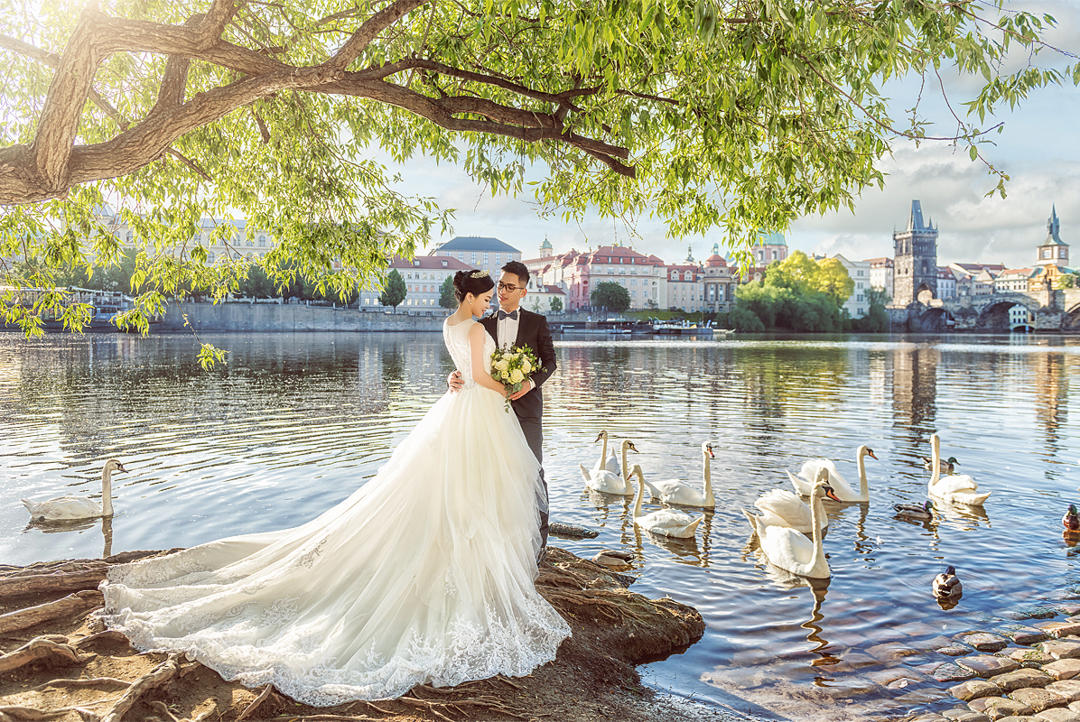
<point>1046,253</point>
<point>774,255</point>
<point>262,241</point>
<point>1062,253</point>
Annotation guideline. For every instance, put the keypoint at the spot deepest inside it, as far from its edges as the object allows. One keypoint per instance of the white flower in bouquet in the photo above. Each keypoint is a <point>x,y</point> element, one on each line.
<point>526,366</point>
<point>516,377</point>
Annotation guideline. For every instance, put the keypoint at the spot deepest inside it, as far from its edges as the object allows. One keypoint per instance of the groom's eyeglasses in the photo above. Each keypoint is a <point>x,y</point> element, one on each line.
<point>509,287</point>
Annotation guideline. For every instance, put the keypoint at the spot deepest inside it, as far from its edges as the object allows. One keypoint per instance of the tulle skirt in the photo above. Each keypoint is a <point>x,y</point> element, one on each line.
<point>424,575</point>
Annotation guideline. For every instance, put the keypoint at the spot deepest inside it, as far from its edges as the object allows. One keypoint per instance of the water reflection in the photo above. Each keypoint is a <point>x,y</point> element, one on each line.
<point>295,423</point>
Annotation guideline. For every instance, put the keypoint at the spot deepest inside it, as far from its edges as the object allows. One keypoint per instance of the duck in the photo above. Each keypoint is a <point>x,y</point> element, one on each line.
<point>946,467</point>
<point>955,488</point>
<point>1071,520</point>
<point>947,584</point>
<point>680,493</point>
<point>608,482</point>
<point>665,522</point>
<point>605,462</point>
<point>841,488</point>
<point>915,512</point>
<point>780,507</point>
<point>791,550</point>
<point>70,508</point>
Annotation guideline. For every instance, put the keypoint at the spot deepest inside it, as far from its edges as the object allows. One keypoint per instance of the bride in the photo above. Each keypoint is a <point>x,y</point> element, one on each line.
<point>425,574</point>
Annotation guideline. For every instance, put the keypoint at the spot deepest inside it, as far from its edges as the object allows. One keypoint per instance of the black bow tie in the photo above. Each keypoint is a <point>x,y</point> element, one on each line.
<point>504,314</point>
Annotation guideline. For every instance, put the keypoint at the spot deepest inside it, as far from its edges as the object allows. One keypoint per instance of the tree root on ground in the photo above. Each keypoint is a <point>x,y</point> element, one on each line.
<point>66,607</point>
<point>250,709</point>
<point>48,650</point>
<point>161,674</point>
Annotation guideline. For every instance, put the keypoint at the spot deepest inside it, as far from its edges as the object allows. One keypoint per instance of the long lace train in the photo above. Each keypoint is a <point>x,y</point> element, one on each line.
<point>424,574</point>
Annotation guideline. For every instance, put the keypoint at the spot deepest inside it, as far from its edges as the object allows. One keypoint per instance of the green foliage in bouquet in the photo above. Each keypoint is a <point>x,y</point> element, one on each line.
<point>513,367</point>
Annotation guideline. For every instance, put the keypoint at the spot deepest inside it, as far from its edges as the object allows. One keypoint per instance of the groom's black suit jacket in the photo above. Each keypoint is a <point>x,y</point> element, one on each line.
<point>532,332</point>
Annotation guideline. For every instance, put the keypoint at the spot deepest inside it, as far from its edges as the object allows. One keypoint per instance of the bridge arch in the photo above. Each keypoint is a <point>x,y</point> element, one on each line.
<point>934,319</point>
<point>1070,320</point>
<point>924,294</point>
<point>995,314</point>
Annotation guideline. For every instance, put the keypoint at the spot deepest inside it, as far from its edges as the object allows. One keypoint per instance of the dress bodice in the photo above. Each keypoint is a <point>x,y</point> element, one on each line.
<point>456,338</point>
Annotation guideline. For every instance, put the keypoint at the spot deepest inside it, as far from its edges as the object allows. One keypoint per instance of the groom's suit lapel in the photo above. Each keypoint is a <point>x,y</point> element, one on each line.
<point>491,323</point>
<point>521,327</point>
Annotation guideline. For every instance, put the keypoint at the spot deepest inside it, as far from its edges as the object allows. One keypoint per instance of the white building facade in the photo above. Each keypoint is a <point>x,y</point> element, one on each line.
<point>858,303</point>
<point>423,276</point>
<point>881,275</point>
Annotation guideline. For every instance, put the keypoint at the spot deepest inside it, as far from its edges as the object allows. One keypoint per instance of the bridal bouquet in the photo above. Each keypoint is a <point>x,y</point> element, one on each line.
<point>513,367</point>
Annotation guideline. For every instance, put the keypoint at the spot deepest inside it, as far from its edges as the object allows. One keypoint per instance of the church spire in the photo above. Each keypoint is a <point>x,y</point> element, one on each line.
<point>915,221</point>
<point>1053,227</point>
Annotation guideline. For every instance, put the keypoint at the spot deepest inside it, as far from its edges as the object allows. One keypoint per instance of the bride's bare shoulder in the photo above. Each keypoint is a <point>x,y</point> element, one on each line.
<point>476,330</point>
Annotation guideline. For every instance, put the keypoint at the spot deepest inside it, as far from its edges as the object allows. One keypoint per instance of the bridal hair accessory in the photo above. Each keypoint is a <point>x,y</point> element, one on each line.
<point>478,274</point>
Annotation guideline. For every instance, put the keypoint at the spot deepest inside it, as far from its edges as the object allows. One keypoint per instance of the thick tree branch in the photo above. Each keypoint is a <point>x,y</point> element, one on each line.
<point>52,164</point>
<point>63,105</point>
<point>370,29</point>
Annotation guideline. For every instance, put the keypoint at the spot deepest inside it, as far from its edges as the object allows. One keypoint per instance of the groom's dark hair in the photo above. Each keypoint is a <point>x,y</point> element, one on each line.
<point>518,269</point>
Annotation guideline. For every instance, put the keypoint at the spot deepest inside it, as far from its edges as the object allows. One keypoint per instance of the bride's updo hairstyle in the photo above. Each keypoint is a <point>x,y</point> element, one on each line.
<point>473,281</point>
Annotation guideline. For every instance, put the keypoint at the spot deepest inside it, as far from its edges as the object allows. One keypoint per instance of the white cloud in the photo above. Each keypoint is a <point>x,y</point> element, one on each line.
<point>952,191</point>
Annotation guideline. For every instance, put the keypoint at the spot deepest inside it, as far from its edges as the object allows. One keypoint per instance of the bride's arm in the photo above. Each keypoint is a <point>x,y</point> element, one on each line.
<point>479,362</point>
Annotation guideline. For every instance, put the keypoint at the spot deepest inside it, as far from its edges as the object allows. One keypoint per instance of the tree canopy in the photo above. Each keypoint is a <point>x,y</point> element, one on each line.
<point>394,291</point>
<point>705,113</point>
<point>610,296</point>
<point>798,294</point>
<point>447,299</point>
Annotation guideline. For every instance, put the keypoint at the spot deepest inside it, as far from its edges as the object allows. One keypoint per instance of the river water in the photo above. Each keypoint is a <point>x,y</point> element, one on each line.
<point>294,423</point>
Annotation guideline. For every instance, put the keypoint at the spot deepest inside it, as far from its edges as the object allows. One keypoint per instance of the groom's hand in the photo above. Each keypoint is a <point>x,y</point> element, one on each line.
<point>454,381</point>
<point>526,387</point>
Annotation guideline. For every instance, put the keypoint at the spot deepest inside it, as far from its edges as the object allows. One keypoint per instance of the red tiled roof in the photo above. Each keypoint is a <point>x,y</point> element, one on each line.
<point>715,260</point>
<point>969,267</point>
<point>553,289</point>
<point>440,263</point>
<point>882,262</point>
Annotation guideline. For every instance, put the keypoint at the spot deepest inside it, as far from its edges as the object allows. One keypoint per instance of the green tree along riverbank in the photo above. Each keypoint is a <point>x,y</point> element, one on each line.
<point>797,294</point>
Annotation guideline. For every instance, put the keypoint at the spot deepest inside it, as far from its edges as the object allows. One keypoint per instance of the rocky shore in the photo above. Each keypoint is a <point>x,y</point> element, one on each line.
<point>57,663</point>
<point>1025,670</point>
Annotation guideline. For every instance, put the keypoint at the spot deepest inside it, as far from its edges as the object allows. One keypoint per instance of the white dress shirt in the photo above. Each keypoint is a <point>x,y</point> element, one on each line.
<point>507,329</point>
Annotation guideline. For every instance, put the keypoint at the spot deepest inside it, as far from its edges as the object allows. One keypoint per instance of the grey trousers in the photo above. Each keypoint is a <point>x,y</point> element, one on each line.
<point>533,428</point>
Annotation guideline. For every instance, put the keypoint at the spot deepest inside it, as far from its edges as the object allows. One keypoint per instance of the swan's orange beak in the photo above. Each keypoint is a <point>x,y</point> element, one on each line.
<point>120,467</point>
<point>871,454</point>
<point>711,454</point>
<point>598,437</point>
<point>831,494</point>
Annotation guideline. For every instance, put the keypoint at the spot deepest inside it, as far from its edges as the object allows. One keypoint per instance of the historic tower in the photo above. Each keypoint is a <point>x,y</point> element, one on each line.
<point>1053,251</point>
<point>915,264</point>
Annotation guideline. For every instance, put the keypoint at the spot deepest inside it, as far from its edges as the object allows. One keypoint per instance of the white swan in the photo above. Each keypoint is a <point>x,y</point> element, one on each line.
<point>608,482</point>
<point>605,462</point>
<point>66,508</point>
<point>792,551</point>
<point>779,507</point>
<point>956,488</point>
<point>675,491</point>
<point>666,522</point>
<point>804,482</point>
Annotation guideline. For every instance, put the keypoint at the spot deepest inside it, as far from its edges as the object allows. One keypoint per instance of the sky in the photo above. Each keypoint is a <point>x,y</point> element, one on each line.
<point>1039,149</point>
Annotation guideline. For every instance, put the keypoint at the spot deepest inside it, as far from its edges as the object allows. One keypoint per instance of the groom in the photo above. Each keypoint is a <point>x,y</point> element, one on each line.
<point>513,326</point>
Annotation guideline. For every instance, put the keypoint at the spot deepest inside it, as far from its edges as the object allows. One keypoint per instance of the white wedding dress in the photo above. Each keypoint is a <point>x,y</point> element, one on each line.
<point>424,574</point>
